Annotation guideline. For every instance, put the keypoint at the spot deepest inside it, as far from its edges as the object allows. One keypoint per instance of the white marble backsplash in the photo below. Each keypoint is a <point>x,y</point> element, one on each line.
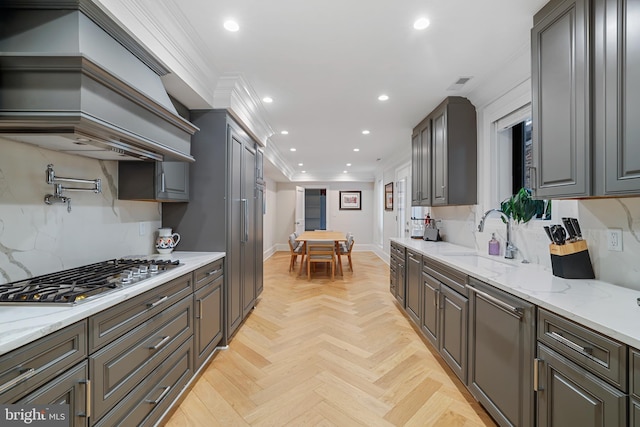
<point>596,217</point>
<point>36,238</point>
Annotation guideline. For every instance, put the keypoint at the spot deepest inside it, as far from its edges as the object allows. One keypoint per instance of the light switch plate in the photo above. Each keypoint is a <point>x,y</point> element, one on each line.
<point>614,239</point>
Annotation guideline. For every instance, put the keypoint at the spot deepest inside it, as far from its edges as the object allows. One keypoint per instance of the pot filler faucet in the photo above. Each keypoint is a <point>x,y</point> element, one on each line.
<point>510,249</point>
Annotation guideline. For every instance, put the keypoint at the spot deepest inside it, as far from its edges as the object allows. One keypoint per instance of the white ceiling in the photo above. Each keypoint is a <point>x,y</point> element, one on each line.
<point>324,63</point>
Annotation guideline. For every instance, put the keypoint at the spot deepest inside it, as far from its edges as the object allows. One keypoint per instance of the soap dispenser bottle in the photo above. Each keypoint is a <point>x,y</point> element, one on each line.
<point>494,245</point>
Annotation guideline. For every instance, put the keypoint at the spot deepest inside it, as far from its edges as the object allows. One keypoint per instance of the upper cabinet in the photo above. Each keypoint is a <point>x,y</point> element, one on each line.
<point>153,181</point>
<point>421,164</point>
<point>583,103</point>
<point>616,97</point>
<point>444,156</point>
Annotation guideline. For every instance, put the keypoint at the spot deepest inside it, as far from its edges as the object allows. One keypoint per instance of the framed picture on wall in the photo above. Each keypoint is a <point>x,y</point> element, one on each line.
<point>350,200</point>
<point>388,197</point>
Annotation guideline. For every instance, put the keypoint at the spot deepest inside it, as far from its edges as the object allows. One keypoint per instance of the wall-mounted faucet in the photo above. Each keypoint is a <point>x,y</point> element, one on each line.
<point>510,249</point>
<point>57,196</point>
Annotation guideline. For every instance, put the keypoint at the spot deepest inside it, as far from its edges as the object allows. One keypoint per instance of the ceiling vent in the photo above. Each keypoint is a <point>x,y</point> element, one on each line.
<point>457,85</point>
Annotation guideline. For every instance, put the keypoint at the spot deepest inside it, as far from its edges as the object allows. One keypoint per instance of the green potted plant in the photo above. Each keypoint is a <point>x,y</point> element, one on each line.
<point>521,207</point>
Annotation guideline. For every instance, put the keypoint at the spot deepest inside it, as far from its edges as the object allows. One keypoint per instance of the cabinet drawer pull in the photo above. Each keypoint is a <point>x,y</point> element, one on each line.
<point>157,303</point>
<point>22,377</point>
<point>200,313</point>
<point>536,374</point>
<point>162,395</point>
<point>87,412</point>
<point>585,351</point>
<point>515,311</point>
<point>211,273</point>
<point>163,187</point>
<point>162,342</point>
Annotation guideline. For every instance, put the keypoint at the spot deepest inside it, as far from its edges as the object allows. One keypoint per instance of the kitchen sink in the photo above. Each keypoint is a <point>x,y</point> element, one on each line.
<point>486,262</point>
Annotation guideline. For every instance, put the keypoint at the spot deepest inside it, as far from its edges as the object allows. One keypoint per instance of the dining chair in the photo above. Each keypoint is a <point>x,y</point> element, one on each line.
<point>321,253</point>
<point>345,249</point>
<point>296,250</point>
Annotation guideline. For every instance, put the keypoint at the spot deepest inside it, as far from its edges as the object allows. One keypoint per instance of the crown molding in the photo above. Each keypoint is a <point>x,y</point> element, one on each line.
<point>234,94</point>
<point>161,27</point>
<point>274,156</point>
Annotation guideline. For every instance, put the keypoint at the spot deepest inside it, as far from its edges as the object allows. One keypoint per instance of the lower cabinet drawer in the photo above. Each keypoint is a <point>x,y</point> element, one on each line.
<point>589,349</point>
<point>125,363</point>
<point>32,365</point>
<point>152,396</point>
<point>70,389</point>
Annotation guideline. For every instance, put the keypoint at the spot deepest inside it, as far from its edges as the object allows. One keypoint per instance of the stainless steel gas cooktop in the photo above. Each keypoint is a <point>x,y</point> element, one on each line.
<point>81,283</point>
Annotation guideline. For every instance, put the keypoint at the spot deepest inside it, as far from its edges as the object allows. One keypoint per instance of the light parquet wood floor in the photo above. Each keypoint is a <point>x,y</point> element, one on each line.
<point>323,353</point>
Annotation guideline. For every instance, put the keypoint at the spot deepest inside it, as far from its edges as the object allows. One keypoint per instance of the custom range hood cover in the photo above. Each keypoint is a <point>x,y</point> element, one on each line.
<point>72,80</point>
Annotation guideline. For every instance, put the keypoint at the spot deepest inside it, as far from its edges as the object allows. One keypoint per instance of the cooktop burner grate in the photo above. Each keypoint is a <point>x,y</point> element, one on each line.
<point>77,284</point>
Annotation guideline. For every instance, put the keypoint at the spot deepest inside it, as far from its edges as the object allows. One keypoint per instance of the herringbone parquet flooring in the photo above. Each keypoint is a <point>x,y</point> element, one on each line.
<point>323,353</point>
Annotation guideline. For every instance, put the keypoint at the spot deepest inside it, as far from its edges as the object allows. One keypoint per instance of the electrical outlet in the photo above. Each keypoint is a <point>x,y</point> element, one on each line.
<point>614,239</point>
<point>142,230</point>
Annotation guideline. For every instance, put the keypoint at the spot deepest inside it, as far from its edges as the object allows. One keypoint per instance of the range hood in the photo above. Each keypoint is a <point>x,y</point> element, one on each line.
<point>74,81</point>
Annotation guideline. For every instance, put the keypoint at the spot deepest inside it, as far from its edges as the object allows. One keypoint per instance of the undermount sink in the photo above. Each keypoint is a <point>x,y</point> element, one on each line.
<point>483,261</point>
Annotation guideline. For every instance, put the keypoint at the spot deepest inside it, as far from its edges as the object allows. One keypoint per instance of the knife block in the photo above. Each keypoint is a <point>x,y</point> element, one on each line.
<point>571,260</point>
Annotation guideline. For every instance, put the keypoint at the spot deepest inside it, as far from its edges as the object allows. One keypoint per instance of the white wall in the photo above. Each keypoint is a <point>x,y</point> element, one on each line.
<point>36,238</point>
<point>359,222</point>
<point>270,225</point>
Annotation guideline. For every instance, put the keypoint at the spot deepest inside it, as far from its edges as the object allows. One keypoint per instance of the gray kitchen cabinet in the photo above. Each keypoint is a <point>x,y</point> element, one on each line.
<point>501,353</point>
<point>223,209</point>
<point>582,375</point>
<point>634,385</point>
<point>259,225</point>
<point>208,300</point>
<point>50,370</point>
<point>397,272</point>
<point>616,103</point>
<point>414,273</point>
<point>560,99</point>
<point>454,153</point>
<point>444,155</point>
<point>585,99</point>
<point>36,364</point>
<point>70,388</point>
<point>421,164</point>
<point>444,315</point>
<point>153,181</point>
<point>568,395</point>
<point>118,368</point>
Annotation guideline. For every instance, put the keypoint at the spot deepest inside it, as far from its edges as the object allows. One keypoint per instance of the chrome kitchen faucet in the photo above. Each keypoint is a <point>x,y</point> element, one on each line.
<point>510,249</point>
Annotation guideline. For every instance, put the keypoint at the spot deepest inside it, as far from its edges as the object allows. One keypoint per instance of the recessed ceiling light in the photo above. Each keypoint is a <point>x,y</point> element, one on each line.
<point>383,97</point>
<point>292,149</point>
<point>356,149</point>
<point>304,171</point>
<point>300,164</point>
<point>344,171</point>
<point>267,99</point>
<point>365,132</point>
<point>284,132</point>
<point>348,164</point>
<point>421,23</point>
<point>231,25</point>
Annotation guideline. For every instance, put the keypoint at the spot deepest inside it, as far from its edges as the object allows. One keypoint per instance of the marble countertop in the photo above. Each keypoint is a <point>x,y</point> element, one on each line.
<point>22,324</point>
<point>601,306</point>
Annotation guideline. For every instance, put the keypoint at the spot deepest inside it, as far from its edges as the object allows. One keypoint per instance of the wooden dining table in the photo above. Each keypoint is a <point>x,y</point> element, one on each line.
<point>321,236</point>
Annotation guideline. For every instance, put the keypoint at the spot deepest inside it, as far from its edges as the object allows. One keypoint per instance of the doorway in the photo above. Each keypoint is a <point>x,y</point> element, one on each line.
<point>315,209</point>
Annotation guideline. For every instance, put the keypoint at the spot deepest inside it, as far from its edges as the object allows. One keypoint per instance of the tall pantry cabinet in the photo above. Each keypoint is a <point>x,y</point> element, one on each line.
<point>224,213</point>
